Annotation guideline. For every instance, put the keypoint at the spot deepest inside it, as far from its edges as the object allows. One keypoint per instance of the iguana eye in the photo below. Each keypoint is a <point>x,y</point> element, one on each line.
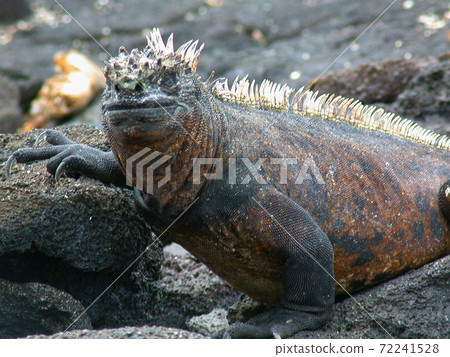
<point>169,81</point>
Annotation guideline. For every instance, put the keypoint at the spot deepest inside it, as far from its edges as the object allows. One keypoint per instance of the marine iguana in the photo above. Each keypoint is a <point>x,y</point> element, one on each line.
<point>314,188</point>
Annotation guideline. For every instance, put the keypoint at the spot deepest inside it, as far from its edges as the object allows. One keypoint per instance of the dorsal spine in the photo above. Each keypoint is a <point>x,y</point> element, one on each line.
<point>272,96</point>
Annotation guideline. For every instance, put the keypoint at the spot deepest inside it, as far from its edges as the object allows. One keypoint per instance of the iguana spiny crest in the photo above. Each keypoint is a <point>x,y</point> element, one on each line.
<point>274,96</point>
<point>128,70</point>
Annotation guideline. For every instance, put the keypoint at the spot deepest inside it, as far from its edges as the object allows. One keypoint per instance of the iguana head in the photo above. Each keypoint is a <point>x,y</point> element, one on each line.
<point>155,103</point>
<point>152,88</point>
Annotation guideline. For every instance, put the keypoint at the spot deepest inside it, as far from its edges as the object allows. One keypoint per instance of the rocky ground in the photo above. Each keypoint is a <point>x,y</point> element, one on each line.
<point>62,244</point>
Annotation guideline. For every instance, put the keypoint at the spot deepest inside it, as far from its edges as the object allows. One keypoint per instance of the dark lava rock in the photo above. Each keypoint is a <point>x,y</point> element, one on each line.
<point>245,308</point>
<point>126,332</point>
<point>415,89</point>
<point>188,289</point>
<point>76,236</point>
<point>428,93</point>
<point>371,82</point>
<point>209,324</point>
<point>35,307</point>
<point>192,298</point>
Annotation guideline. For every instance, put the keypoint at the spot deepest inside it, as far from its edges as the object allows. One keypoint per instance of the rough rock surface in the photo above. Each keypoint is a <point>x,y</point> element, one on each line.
<point>188,289</point>
<point>427,94</point>
<point>30,307</point>
<point>76,236</point>
<point>126,332</point>
<point>414,89</point>
<point>209,324</point>
<point>372,82</point>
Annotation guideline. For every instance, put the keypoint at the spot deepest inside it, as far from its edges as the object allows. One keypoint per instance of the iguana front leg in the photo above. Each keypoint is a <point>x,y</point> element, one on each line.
<point>308,282</point>
<point>66,156</point>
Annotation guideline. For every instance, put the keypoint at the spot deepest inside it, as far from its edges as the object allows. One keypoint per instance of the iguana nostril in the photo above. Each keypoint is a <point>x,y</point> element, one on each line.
<point>139,87</point>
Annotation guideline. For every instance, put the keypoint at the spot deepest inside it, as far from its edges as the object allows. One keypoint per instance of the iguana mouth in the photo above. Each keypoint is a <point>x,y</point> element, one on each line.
<point>121,112</point>
<point>140,105</point>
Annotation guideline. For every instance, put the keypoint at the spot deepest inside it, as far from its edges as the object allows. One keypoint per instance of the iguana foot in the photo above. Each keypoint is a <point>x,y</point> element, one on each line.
<point>70,158</point>
<point>275,323</point>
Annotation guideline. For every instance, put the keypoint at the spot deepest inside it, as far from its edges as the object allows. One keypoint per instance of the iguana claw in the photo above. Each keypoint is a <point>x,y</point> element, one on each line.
<point>42,136</point>
<point>11,161</point>
<point>60,170</point>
